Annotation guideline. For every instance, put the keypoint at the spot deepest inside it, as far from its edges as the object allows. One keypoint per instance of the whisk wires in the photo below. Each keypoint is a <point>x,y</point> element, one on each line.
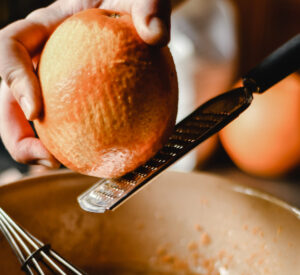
<point>34,256</point>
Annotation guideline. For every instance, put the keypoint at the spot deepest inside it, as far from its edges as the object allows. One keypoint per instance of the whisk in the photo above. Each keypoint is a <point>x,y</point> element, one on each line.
<point>34,256</point>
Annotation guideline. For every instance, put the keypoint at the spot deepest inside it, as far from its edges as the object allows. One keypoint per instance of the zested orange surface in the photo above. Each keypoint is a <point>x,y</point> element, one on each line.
<point>110,100</point>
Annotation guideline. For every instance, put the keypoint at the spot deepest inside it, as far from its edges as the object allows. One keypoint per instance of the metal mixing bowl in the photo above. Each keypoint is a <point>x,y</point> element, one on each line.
<point>185,223</point>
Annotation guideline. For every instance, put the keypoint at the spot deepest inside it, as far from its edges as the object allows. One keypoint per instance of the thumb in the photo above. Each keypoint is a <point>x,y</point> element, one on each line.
<point>152,21</point>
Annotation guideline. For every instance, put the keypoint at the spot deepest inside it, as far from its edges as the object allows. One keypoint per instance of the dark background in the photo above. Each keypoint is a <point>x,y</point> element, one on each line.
<point>12,10</point>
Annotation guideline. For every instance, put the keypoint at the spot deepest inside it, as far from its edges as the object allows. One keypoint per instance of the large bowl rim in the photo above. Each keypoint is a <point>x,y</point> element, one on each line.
<point>231,185</point>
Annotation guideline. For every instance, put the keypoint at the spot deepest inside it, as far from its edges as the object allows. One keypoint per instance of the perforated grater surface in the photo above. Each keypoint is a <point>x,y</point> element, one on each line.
<point>205,121</point>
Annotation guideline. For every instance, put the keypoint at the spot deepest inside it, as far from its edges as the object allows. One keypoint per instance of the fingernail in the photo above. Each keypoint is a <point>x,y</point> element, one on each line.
<point>26,106</point>
<point>45,162</point>
<point>158,29</point>
<point>155,25</point>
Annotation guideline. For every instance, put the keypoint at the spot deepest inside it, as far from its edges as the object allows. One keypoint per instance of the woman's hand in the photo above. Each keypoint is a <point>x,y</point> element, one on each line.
<point>22,41</point>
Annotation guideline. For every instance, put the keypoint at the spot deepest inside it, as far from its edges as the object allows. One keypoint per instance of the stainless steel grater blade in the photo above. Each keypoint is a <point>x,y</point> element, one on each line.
<point>208,119</point>
<point>205,121</point>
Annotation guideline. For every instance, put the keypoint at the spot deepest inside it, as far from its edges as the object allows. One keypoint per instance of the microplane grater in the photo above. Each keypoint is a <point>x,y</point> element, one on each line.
<point>205,121</point>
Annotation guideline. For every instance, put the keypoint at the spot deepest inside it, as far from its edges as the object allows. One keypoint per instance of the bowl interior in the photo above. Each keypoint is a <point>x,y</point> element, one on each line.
<point>185,223</point>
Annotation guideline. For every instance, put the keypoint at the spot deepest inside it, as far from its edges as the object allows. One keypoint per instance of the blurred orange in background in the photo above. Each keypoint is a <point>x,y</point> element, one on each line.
<point>265,139</point>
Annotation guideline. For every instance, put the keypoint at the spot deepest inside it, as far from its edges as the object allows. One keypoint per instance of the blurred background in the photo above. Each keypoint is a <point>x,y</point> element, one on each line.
<point>215,42</point>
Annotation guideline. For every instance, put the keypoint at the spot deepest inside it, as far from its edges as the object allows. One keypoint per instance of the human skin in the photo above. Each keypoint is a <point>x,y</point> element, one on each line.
<point>21,43</point>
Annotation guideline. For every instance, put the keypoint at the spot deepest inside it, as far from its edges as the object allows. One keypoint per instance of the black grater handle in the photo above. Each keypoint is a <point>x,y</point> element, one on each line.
<point>279,64</point>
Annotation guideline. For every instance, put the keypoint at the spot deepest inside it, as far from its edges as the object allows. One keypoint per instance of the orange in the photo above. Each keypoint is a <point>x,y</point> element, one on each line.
<point>110,100</point>
<point>265,139</point>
